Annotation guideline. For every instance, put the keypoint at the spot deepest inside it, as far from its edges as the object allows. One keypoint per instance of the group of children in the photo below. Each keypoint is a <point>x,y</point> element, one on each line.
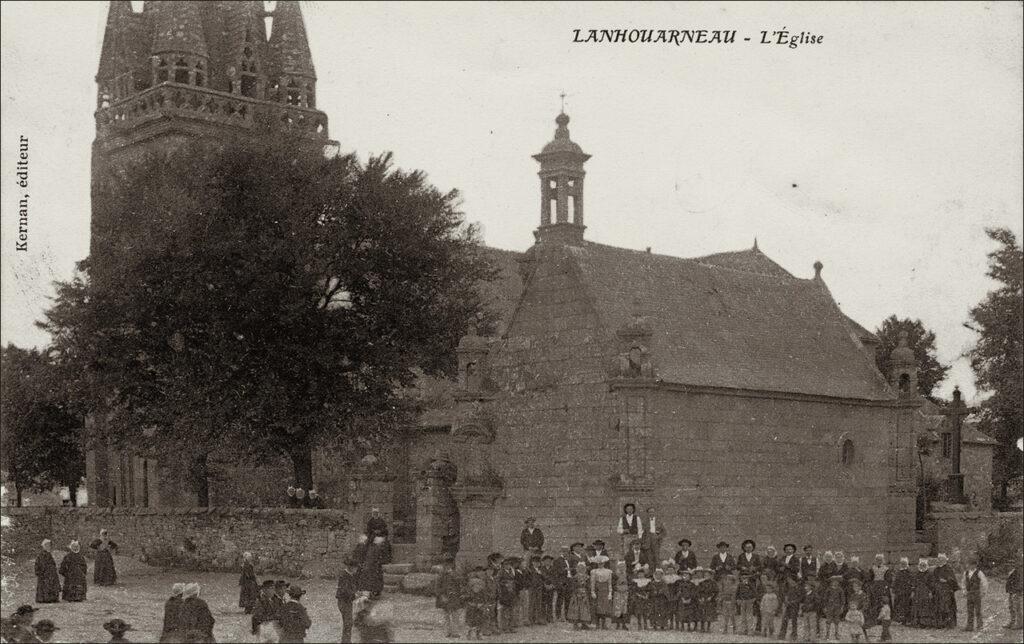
<point>19,629</point>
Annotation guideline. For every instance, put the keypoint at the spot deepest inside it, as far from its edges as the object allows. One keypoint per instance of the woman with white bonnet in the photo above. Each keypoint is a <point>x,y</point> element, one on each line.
<point>104,573</point>
<point>74,571</point>
<point>47,579</point>
<point>196,619</point>
<point>171,631</point>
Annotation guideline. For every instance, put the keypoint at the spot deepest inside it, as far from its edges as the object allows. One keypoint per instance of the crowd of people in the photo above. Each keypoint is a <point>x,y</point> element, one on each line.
<point>298,499</point>
<point>750,593</point>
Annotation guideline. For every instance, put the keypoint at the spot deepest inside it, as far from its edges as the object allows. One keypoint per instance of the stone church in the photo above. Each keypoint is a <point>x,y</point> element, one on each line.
<point>731,395</point>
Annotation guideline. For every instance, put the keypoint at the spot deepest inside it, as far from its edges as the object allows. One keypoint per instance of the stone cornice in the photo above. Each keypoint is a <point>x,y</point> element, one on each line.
<point>642,383</point>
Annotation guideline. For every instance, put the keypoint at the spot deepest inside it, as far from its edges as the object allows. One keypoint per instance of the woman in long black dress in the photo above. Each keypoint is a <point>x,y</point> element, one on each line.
<point>371,572</point>
<point>47,579</point>
<point>196,620</point>
<point>171,631</point>
<point>74,570</point>
<point>104,574</point>
<point>249,589</point>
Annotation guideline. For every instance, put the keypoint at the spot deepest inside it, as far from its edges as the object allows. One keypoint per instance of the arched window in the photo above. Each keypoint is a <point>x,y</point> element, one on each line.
<point>294,93</point>
<point>181,71</point>
<point>161,71</point>
<point>847,453</point>
<point>904,382</point>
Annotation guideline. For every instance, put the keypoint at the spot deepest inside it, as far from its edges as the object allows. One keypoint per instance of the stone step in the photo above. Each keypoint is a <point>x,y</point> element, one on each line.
<point>394,580</point>
<point>389,588</point>
<point>397,568</point>
<point>419,583</point>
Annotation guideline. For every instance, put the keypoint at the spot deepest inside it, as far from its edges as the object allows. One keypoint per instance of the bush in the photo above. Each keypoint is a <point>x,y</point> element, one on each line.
<point>999,554</point>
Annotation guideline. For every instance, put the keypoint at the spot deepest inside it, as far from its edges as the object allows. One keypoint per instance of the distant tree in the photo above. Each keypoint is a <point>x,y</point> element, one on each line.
<point>40,434</point>
<point>998,357</point>
<point>269,301</point>
<point>930,372</point>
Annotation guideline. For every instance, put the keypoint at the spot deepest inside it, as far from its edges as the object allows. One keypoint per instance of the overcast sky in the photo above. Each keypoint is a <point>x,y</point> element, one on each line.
<point>901,131</point>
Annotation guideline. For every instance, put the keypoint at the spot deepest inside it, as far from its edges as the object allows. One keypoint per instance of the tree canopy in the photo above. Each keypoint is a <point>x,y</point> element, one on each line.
<point>930,372</point>
<point>265,300</point>
<point>998,356</point>
<point>40,432</point>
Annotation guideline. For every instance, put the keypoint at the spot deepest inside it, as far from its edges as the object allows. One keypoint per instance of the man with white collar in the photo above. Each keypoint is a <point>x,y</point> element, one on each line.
<point>636,557</point>
<point>790,566</point>
<point>630,526</point>
<point>975,585</point>
<point>684,557</point>
<point>723,563</point>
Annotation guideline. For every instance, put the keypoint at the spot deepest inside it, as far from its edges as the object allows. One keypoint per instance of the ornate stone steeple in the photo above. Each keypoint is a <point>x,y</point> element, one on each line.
<point>561,187</point>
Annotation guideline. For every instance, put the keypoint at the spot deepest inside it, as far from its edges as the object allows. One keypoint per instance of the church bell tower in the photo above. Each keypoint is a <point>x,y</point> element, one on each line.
<point>561,187</point>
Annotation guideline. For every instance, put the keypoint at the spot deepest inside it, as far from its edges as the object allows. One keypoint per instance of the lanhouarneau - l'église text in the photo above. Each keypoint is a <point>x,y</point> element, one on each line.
<point>681,37</point>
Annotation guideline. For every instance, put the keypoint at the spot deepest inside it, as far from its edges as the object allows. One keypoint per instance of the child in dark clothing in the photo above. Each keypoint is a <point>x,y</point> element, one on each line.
<point>835,604</point>
<point>507,595</point>
<point>810,608</point>
<point>792,597</point>
<point>640,598</point>
<point>687,606</point>
<point>707,599</point>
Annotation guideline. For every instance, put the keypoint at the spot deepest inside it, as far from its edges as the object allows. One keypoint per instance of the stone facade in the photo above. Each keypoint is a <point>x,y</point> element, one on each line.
<point>289,542</point>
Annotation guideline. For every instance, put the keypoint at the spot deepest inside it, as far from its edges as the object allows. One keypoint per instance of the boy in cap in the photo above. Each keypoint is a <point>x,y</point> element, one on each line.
<point>117,628</point>
<point>550,581</point>
<point>808,563</point>
<point>477,607</point>
<point>535,581</point>
<point>346,594</point>
<point>294,618</point>
<point>810,609</point>
<point>44,630</point>
<point>506,596</point>
<point>265,612</point>
<point>687,606</point>
<point>565,566</point>
<point>792,596</point>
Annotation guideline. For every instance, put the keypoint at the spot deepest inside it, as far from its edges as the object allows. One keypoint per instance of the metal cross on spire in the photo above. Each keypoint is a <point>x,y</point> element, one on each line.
<point>562,96</point>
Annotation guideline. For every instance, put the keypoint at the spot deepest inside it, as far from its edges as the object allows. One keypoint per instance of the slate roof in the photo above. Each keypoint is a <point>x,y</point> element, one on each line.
<point>735,320</point>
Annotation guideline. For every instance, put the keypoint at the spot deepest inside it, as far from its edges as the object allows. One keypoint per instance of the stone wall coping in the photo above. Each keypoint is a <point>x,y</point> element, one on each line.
<point>174,511</point>
<point>638,383</point>
<point>939,516</point>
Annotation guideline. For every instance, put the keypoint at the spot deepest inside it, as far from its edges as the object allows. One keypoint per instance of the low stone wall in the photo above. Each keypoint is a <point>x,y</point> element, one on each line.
<point>967,531</point>
<point>295,543</point>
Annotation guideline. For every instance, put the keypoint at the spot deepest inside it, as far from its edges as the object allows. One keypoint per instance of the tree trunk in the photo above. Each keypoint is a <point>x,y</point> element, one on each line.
<point>302,464</point>
<point>17,495</point>
<point>73,493</point>
<point>200,483</point>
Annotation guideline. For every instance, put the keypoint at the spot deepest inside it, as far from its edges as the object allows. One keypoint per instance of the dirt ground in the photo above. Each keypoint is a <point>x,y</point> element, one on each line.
<point>139,595</point>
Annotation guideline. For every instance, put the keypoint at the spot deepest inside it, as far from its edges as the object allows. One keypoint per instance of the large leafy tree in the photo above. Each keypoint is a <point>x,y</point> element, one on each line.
<point>40,432</point>
<point>265,300</point>
<point>998,357</point>
<point>930,372</point>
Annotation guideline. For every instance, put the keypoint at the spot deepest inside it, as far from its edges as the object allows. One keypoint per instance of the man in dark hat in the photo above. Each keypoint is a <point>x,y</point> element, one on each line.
<point>294,618</point>
<point>636,556</point>
<point>749,568</point>
<point>117,628</point>
<point>630,526</point>
<point>20,624</point>
<point>748,564</point>
<point>267,608</point>
<point>565,565</point>
<point>45,629</point>
<point>685,558</point>
<point>532,539</point>
<point>808,563</point>
<point>789,567</point>
<point>723,563</point>
<point>345,595</point>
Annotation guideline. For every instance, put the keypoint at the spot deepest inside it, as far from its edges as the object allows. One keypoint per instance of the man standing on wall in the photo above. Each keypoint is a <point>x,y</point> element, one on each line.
<point>532,539</point>
<point>653,532</point>
<point>630,526</point>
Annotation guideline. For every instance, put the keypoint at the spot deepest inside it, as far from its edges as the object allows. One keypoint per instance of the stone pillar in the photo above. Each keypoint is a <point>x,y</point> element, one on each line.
<point>476,515</point>
<point>435,508</point>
